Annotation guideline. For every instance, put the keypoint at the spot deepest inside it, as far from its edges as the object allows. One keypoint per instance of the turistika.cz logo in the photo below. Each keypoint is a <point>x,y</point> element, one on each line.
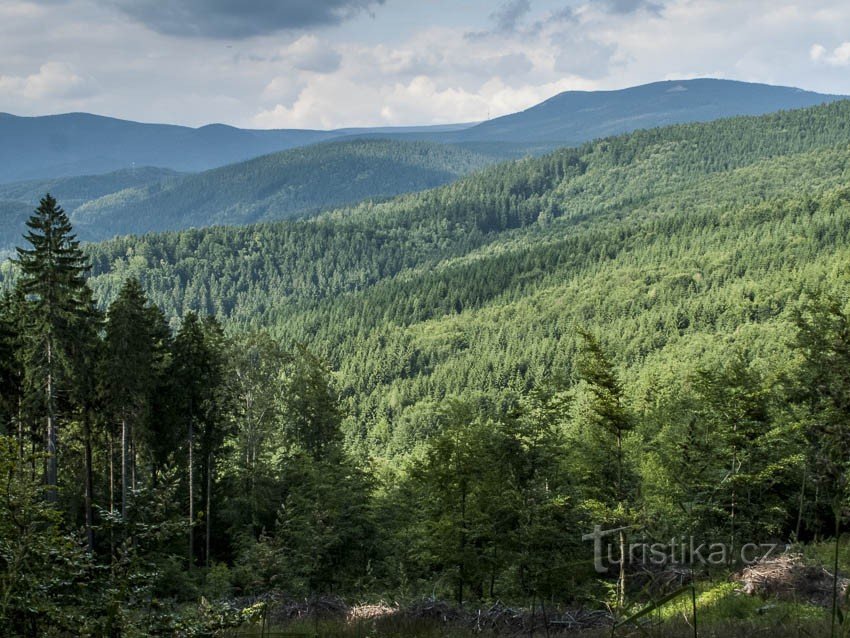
<point>682,551</point>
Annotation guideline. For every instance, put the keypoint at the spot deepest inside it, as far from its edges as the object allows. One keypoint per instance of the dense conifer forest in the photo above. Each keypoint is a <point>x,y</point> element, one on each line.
<point>437,395</point>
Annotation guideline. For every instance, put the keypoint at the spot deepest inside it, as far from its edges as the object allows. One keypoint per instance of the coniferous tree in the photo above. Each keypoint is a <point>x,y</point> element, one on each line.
<point>11,378</point>
<point>607,412</point>
<point>196,375</point>
<point>823,339</point>
<point>130,372</point>
<point>52,279</point>
<point>85,353</point>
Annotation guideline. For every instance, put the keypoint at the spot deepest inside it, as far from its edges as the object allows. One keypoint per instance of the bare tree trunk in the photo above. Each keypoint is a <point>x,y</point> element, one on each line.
<point>209,509</point>
<point>52,474</point>
<point>621,580</point>
<point>89,482</point>
<point>835,570</point>
<point>191,495</point>
<point>799,528</point>
<point>123,467</point>
<point>132,460</point>
<point>111,472</point>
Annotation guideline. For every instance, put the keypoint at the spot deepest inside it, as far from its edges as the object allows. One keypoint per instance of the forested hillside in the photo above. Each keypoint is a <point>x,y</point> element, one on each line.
<point>284,185</point>
<point>439,395</point>
<point>517,255</point>
<point>83,144</point>
<point>19,198</point>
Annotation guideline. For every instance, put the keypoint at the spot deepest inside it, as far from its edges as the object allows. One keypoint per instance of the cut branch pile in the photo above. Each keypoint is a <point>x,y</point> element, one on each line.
<point>787,577</point>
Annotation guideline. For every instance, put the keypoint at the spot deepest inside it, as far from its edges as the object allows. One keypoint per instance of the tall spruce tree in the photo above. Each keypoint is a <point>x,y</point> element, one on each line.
<point>607,412</point>
<point>52,279</point>
<point>134,352</point>
<point>823,340</point>
<point>85,353</point>
<point>11,379</point>
<point>197,376</point>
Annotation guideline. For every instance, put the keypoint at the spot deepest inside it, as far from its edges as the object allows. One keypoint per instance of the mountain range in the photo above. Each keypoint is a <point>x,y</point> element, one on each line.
<point>80,143</point>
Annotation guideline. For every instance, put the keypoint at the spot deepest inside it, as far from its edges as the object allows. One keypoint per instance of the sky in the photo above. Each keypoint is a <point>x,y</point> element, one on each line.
<point>338,63</point>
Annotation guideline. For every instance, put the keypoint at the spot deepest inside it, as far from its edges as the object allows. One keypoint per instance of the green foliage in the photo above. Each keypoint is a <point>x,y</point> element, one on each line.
<point>613,334</point>
<point>291,184</point>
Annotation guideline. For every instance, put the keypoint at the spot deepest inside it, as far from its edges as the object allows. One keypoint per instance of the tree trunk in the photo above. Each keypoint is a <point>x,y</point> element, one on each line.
<point>191,495</point>
<point>52,494</point>
<point>123,467</point>
<point>209,510</point>
<point>799,528</point>
<point>833,632</point>
<point>111,472</point>
<point>621,580</point>
<point>89,481</point>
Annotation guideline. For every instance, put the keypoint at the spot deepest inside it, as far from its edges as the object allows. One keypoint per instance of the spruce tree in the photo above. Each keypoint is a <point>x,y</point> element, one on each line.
<point>52,279</point>
<point>11,380</point>
<point>130,371</point>
<point>607,412</point>
<point>197,376</point>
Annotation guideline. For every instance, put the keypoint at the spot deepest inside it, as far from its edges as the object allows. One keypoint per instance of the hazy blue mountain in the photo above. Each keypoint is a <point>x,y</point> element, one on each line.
<point>282,185</point>
<point>579,116</point>
<point>72,192</point>
<point>19,199</point>
<point>79,143</point>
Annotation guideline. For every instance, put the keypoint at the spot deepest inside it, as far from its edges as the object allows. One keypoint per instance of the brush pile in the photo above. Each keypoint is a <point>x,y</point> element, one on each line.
<point>788,577</point>
<point>324,607</point>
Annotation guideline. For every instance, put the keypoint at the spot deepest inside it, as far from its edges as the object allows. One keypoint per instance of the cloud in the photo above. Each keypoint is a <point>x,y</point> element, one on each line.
<point>327,102</point>
<point>308,53</point>
<point>53,80</point>
<point>411,64</point>
<point>239,19</point>
<point>582,56</point>
<point>508,15</point>
<point>632,6</point>
<point>839,57</point>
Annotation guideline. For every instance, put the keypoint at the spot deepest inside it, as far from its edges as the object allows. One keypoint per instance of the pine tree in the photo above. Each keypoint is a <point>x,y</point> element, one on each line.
<point>52,279</point>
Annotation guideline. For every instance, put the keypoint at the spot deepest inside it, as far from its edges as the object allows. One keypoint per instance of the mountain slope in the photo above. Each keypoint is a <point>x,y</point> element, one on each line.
<point>73,192</point>
<point>278,186</point>
<point>82,144</point>
<point>578,116</point>
<point>18,199</point>
<point>684,237</point>
<point>79,143</point>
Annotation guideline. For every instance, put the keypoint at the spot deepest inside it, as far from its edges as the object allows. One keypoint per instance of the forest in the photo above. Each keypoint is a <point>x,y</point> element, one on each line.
<point>438,395</point>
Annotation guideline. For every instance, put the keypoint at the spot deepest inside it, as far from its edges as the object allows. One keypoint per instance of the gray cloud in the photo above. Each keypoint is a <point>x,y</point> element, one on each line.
<point>508,15</point>
<point>582,56</point>
<point>239,18</point>
<point>631,6</point>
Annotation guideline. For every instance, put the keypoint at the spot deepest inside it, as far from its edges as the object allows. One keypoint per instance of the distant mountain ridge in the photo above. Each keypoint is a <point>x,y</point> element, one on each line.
<point>79,143</point>
<point>574,117</point>
<point>292,183</point>
<point>75,144</point>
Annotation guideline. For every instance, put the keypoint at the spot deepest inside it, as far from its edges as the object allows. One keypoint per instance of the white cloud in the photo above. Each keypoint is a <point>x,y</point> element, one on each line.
<point>839,56</point>
<point>308,53</point>
<point>460,66</point>
<point>53,80</point>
